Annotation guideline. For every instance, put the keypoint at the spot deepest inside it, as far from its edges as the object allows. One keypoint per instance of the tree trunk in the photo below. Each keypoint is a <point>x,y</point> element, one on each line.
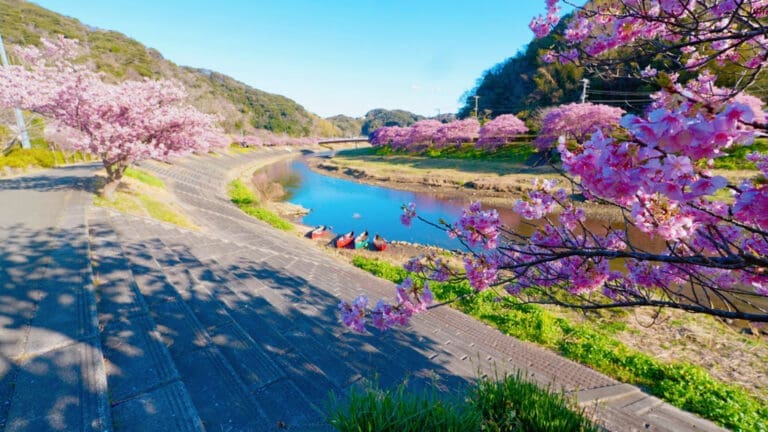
<point>115,172</point>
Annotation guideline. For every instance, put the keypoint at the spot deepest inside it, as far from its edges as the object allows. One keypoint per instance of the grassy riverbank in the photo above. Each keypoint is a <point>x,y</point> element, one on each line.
<point>142,194</point>
<point>594,344</point>
<point>247,201</point>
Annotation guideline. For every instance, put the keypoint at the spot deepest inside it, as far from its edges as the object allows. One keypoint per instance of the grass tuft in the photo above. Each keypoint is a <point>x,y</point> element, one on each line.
<point>511,403</point>
<point>247,201</point>
<point>144,177</point>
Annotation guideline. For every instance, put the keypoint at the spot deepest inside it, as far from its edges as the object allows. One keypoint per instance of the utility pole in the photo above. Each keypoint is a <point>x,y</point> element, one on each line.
<point>19,116</point>
<point>584,90</point>
<point>477,113</point>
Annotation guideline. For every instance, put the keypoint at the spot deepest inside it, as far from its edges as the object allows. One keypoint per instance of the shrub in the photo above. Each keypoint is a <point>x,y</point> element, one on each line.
<point>246,200</point>
<point>511,403</point>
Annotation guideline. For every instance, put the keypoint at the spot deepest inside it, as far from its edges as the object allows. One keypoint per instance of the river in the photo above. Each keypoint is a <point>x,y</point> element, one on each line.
<point>347,205</point>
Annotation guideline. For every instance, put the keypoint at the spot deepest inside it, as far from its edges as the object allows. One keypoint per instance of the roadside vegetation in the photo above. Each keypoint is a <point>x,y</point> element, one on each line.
<point>142,194</point>
<point>684,385</point>
<point>247,201</point>
<point>22,159</point>
<point>506,404</point>
<point>518,152</point>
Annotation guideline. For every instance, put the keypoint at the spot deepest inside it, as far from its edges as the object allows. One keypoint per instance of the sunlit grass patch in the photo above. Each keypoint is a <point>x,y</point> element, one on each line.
<point>143,194</point>
<point>163,212</point>
<point>509,403</point>
<point>144,177</point>
<point>247,201</point>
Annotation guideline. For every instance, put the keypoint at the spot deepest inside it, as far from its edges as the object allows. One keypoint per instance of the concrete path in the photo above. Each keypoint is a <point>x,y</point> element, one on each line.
<point>52,375</point>
<point>234,328</point>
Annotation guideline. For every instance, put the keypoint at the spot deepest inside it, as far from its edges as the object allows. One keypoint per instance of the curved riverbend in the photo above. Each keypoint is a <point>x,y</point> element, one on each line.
<point>348,205</point>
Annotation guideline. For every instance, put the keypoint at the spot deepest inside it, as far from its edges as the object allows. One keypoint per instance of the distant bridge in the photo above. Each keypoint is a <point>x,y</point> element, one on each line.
<point>342,140</point>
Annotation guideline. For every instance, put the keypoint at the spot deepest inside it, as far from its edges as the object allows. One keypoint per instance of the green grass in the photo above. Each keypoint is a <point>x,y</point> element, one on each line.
<point>511,403</point>
<point>162,212</point>
<point>514,403</point>
<point>240,194</point>
<point>247,201</point>
<point>686,386</point>
<point>38,157</point>
<point>144,177</point>
<point>144,204</point>
<point>735,158</point>
<point>518,152</point>
<point>121,201</point>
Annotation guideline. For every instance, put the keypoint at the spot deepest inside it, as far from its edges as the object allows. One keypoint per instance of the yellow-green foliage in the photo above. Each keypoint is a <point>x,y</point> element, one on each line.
<point>144,177</point>
<point>240,194</point>
<point>162,212</point>
<point>121,201</point>
<point>39,156</point>
<point>143,204</point>
<point>35,157</point>
<point>246,200</point>
<point>237,148</point>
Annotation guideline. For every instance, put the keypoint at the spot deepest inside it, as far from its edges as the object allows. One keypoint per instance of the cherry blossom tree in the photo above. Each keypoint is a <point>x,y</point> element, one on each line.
<point>383,136</point>
<point>457,133</point>
<point>710,249</point>
<point>120,123</point>
<point>421,134</point>
<point>499,131</point>
<point>575,121</point>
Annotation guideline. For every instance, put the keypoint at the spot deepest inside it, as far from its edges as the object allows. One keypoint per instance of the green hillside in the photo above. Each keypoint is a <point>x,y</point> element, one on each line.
<point>242,107</point>
<point>346,125</point>
<point>379,117</point>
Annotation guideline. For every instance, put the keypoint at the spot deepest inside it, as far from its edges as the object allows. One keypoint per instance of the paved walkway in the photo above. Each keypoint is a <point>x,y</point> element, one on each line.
<point>234,328</point>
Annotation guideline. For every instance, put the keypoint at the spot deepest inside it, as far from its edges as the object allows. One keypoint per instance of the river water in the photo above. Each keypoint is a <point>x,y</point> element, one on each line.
<point>348,205</point>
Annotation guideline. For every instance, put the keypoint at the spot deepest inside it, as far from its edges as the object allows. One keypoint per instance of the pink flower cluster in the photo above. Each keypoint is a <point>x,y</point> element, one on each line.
<point>431,133</point>
<point>723,30</point>
<point>575,121</point>
<point>542,25</point>
<point>478,226</point>
<point>410,299</point>
<point>409,212</point>
<point>499,131</point>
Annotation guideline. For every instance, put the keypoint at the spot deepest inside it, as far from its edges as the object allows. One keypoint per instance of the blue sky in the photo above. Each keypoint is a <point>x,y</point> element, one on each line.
<point>331,56</point>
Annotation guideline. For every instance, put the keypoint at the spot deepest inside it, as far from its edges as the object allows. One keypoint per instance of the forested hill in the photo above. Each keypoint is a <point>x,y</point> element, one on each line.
<point>523,83</point>
<point>242,107</point>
